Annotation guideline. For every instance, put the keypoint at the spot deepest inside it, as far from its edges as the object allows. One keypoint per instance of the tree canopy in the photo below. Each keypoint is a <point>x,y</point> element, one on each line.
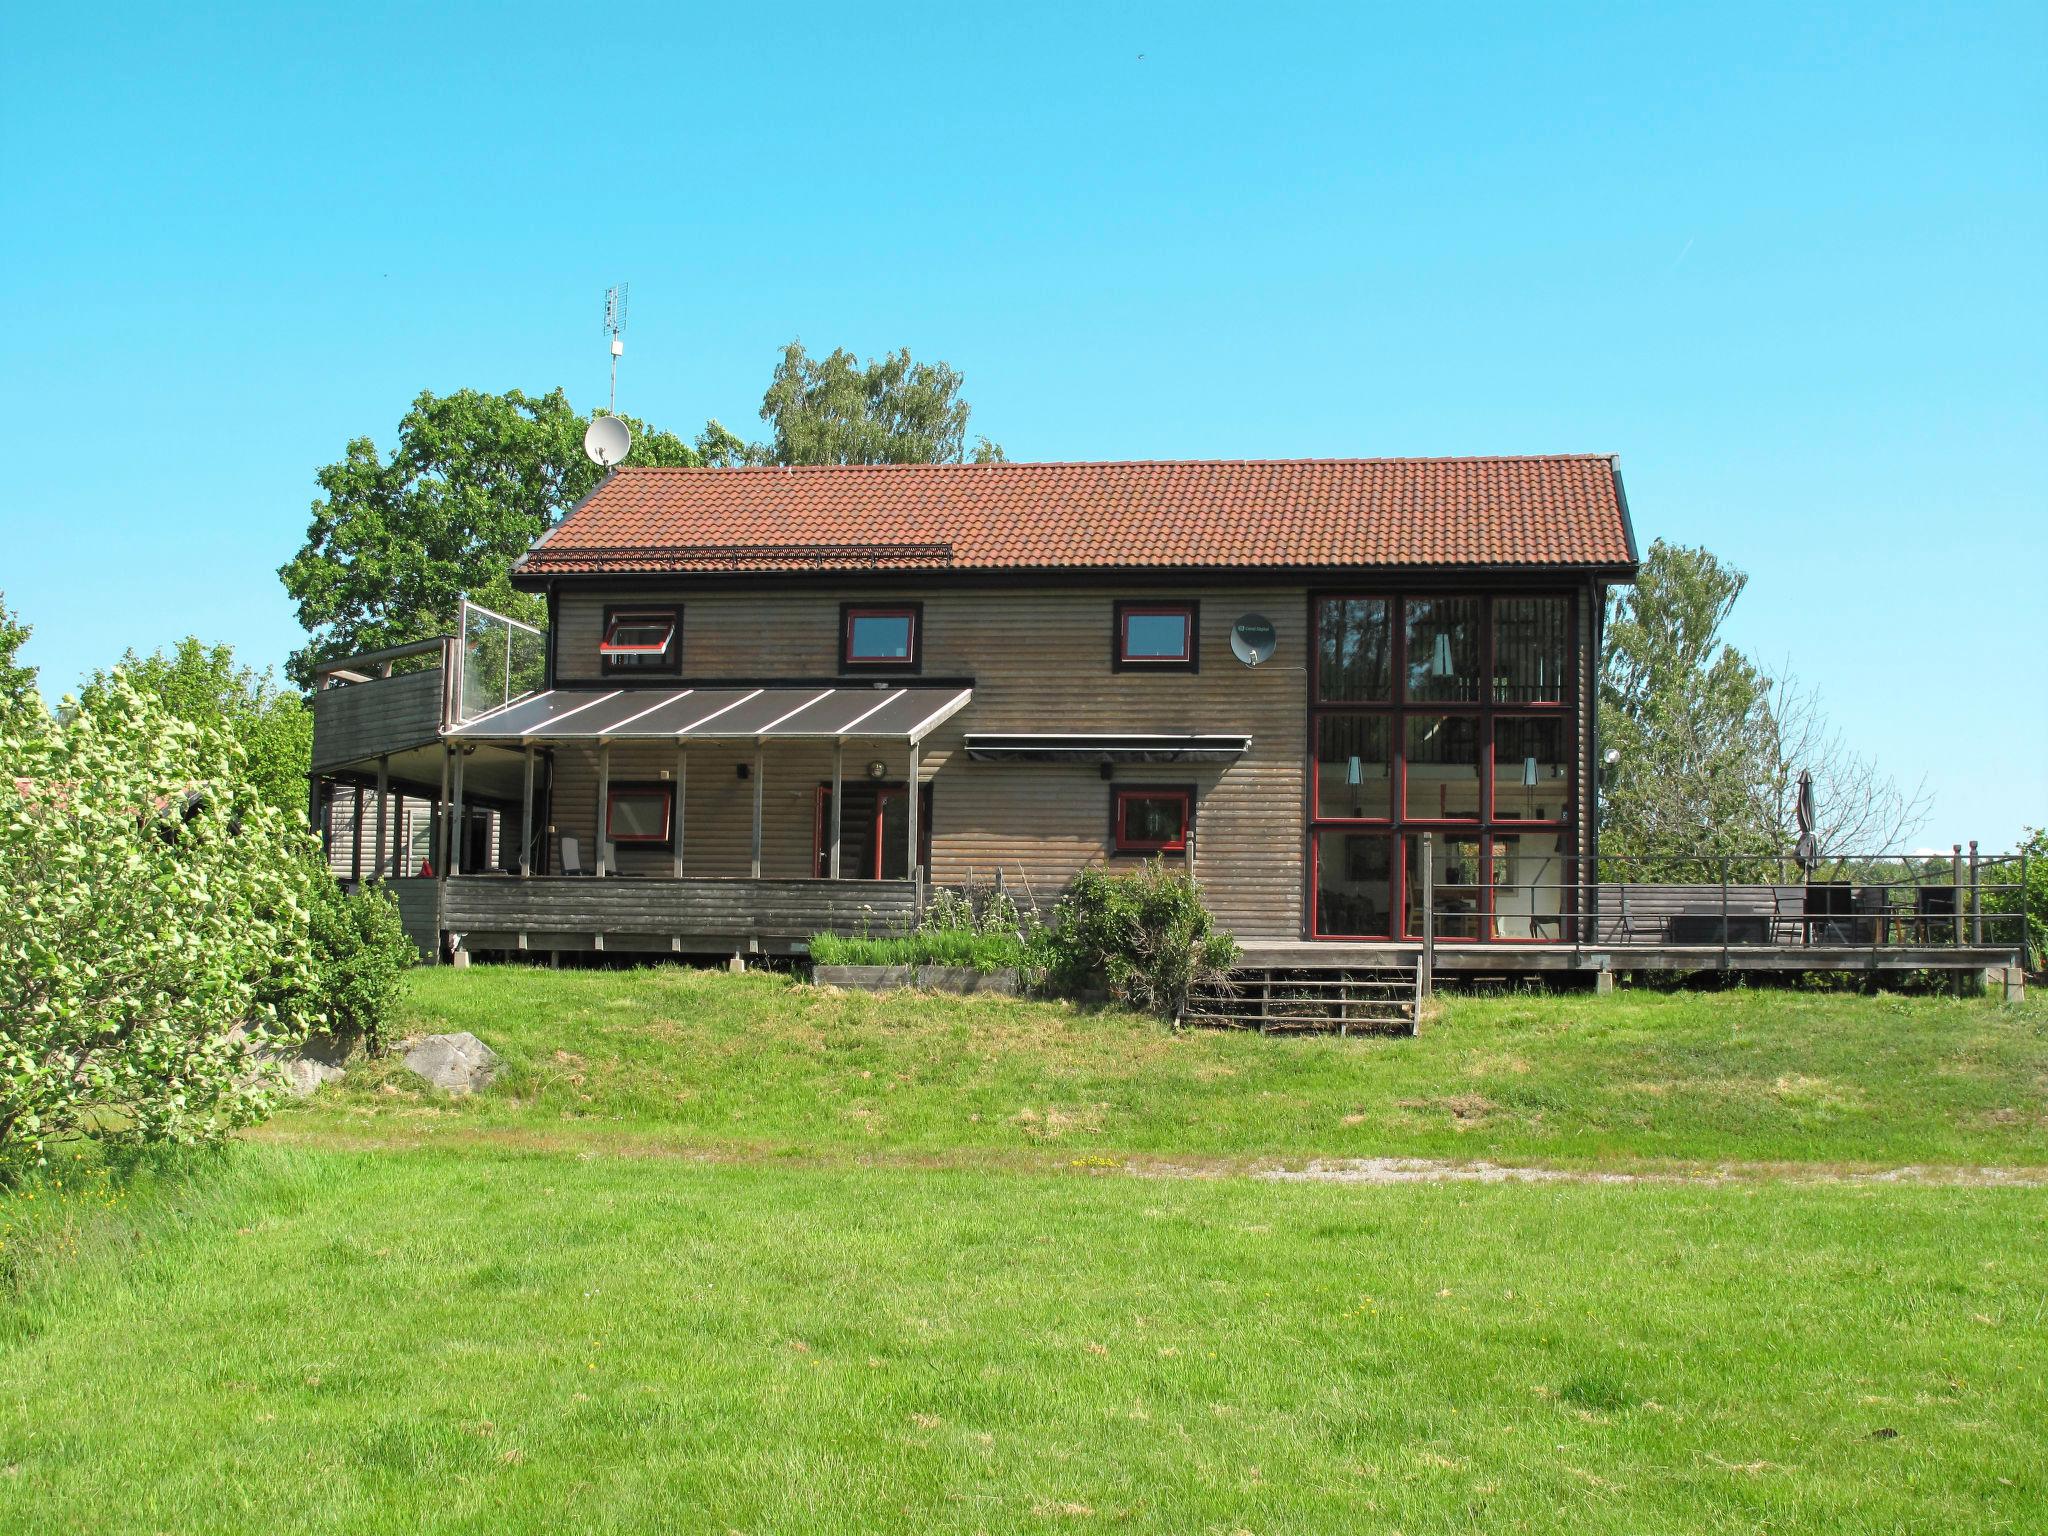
<point>397,540</point>
<point>17,681</point>
<point>473,480</point>
<point>201,684</point>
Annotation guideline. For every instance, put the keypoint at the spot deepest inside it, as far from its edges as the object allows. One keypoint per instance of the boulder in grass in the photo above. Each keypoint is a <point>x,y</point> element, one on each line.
<point>458,1063</point>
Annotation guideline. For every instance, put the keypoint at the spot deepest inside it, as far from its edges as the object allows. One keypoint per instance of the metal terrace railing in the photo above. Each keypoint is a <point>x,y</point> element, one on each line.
<point>498,659</point>
<point>1881,904</point>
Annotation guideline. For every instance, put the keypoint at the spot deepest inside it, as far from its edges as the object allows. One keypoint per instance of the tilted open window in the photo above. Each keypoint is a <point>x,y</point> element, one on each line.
<point>642,814</point>
<point>642,642</point>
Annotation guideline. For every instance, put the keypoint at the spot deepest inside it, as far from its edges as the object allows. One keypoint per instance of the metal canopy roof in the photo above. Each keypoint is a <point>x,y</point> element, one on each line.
<point>1107,747</point>
<point>733,712</point>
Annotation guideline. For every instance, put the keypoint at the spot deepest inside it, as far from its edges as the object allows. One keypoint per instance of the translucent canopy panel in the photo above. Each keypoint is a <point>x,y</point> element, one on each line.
<point>725,713</point>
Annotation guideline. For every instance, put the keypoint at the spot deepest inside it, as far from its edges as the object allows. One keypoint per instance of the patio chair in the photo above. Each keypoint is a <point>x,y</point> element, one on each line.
<point>572,858</point>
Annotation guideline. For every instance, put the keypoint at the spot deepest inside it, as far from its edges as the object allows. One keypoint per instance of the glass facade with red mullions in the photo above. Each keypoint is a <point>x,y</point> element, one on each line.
<point>1453,715</point>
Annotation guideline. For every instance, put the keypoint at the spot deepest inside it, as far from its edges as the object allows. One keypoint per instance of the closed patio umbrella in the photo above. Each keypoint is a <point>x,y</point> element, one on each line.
<point>1808,851</point>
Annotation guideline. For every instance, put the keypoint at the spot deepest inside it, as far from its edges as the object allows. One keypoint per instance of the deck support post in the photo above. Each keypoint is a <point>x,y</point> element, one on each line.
<point>1428,982</point>
<point>683,793</point>
<point>755,864</point>
<point>526,816</point>
<point>382,871</point>
<point>604,807</point>
<point>1956,888</point>
<point>912,797</point>
<point>1976,899</point>
<point>838,799</point>
<point>456,827</point>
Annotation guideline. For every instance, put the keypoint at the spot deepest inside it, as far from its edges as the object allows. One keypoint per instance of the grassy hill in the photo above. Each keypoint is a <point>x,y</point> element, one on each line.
<point>721,1253</point>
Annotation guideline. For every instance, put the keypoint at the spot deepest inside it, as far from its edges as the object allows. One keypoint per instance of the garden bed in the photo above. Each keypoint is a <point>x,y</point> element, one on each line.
<point>929,978</point>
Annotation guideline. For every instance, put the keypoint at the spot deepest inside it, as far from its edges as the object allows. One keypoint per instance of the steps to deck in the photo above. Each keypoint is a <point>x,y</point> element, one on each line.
<point>1379,1000</point>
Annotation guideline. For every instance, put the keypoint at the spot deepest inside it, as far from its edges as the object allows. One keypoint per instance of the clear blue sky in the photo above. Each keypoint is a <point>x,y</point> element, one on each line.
<point>1788,263</point>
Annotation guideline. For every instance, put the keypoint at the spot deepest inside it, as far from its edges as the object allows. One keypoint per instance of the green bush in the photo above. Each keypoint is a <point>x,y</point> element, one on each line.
<point>360,949</point>
<point>2033,900</point>
<point>1145,937</point>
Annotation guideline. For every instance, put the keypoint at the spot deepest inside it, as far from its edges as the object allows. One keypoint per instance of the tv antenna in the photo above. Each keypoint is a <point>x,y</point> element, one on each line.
<point>615,328</point>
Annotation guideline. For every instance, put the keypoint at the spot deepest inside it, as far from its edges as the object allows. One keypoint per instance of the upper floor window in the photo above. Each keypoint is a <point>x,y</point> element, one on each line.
<point>1161,636</point>
<point>641,641</point>
<point>885,638</point>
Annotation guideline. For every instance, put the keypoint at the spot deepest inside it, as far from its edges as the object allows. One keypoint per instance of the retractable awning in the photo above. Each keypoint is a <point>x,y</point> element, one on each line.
<point>732,712</point>
<point>1106,747</point>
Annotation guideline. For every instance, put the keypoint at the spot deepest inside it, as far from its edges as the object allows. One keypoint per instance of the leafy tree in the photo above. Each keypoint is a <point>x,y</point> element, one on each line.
<point>1690,716</point>
<point>17,681</point>
<point>832,410</point>
<point>475,478</point>
<point>146,889</point>
<point>202,684</point>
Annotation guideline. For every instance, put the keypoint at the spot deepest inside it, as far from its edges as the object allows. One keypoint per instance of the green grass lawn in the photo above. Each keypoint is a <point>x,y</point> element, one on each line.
<point>721,1254</point>
<point>761,1065</point>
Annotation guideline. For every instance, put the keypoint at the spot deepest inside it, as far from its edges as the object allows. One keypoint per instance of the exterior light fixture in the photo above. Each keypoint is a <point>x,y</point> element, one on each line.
<point>878,769</point>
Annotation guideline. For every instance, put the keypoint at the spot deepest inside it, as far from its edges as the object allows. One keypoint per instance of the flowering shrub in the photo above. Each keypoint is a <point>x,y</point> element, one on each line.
<point>146,892</point>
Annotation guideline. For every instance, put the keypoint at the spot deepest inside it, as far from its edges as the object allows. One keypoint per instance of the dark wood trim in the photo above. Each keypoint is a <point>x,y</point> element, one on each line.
<point>671,666</point>
<point>848,666</point>
<point>1119,662</point>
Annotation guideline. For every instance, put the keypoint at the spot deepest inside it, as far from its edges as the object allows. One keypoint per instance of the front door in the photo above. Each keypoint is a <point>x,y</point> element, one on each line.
<point>874,836</point>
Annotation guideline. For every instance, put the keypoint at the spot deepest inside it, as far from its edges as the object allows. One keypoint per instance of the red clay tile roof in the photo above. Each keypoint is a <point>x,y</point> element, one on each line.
<point>1563,510</point>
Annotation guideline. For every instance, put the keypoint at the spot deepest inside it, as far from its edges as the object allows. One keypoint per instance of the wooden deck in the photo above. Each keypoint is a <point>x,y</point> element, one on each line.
<point>503,913</point>
<point>1510,959</point>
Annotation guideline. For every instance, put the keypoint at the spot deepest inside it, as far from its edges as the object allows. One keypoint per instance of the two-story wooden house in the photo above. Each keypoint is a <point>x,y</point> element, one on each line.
<point>1280,673</point>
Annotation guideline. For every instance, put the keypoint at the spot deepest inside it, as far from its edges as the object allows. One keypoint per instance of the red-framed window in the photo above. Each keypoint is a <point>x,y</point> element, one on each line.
<point>1157,637</point>
<point>641,641</point>
<point>1151,818</point>
<point>1454,713</point>
<point>881,638</point>
<point>640,814</point>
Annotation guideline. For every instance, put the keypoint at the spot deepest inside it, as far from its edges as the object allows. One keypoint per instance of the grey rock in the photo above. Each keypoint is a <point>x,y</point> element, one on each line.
<point>303,1074</point>
<point>458,1063</point>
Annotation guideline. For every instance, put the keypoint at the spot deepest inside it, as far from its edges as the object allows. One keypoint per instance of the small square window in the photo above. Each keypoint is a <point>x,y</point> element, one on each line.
<point>1151,820</point>
<point>1156,636</point>
<point>641,640</point>
<point>639,813</point>
<point>880,637</point>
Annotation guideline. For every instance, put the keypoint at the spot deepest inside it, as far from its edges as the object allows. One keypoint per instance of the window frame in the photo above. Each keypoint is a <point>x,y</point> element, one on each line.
<point>1121,794</point>
<point>1122,611</point>
<point>848,662</point>
<point>1485,710</point>
<point>666,789</point>
<point>671,663</point>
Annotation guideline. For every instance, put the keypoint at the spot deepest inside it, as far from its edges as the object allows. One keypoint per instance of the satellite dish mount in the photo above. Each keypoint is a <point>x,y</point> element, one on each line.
<point>607,441</point>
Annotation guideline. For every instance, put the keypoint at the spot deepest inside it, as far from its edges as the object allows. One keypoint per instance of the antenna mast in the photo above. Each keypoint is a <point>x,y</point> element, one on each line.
<point>615,328</point>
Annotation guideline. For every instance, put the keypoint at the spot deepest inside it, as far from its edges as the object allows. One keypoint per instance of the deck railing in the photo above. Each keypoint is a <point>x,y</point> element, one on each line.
<point>1879,903</point>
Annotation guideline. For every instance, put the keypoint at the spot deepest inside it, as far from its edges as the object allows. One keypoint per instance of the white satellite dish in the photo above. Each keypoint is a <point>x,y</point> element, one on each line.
<point>606,441</point>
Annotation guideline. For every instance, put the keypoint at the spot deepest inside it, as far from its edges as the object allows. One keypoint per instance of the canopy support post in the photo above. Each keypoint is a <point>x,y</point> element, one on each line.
<point>526,818</point>
<point>838,798</point>
<point>441,816</point>
<point>383,859</point>
<point>456,824</point>
<point>604,807</point>
<point>683,787</point>
<point>756,866</point>
<point>912,795</point>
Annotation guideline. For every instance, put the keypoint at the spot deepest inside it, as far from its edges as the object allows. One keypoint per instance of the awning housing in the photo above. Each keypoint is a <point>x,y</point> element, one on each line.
<point>1108,747</point>
<point>728,712</point>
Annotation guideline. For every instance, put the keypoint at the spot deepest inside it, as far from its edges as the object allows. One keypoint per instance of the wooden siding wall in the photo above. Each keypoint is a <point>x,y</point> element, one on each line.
<point>341,833</point>
<point>354,722</point>
<point>1040,660</point>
